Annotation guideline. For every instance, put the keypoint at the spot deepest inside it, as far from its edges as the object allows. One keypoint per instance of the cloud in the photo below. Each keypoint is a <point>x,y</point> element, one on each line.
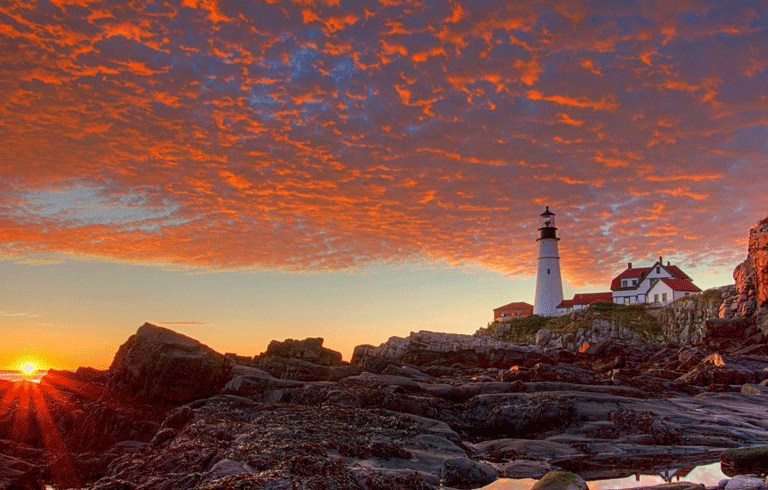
<point>18,314</point>
<point>184,324</point>
<point>315,136</point>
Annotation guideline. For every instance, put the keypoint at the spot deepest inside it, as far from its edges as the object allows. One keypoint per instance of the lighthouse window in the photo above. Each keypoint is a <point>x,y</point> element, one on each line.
<point>547,271</point>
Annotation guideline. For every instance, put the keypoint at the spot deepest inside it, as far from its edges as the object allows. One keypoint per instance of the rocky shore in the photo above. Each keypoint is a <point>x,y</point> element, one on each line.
<point>428,410</point>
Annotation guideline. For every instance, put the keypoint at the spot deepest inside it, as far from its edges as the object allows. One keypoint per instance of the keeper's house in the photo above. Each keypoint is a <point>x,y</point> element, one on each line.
<point>659,284</point>
<point>512,310</point>
<point>581,301</point>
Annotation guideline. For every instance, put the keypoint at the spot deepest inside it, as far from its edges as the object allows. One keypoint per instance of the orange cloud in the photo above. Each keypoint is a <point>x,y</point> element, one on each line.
<point>378,132</point>
<point>604,104</point>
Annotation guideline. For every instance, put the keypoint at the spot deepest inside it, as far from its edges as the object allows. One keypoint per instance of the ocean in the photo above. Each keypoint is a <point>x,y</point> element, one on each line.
<point>19,376</point>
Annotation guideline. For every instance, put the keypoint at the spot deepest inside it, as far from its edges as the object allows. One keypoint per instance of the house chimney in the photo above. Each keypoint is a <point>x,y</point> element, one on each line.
<point>660,261</point>
<point>629,265</point>
<point>668,264</point>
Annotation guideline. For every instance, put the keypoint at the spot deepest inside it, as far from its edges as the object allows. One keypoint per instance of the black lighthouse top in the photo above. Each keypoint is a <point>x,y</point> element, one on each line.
<point>547,225</point>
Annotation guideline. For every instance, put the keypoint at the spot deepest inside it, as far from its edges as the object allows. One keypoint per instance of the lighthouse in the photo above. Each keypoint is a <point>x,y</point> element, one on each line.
<point>549,286</point>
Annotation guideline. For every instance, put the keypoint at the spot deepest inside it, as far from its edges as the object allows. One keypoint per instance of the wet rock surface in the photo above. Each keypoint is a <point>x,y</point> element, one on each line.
<point>407,426</point>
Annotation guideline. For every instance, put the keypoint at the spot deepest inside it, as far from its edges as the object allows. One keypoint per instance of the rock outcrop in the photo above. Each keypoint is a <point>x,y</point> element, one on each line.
<point>729,317</point>
<point>161,365</point>
<point>683,321</point>
<point>589,329</point>
<point>302,360</point>
<point>447,349</point>
<point>751,278</point>
<point>310,350</point>
<point>463,417</point>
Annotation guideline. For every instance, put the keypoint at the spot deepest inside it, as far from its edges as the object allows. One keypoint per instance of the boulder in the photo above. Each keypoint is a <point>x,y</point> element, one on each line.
<point>310,350</point>
<point>560,480</point>
<point>542,337</point>
<point>742,482</point>
<point>465,473</point>
<point>745,460</point>
<point>161,365</point>
<point>750,389</point>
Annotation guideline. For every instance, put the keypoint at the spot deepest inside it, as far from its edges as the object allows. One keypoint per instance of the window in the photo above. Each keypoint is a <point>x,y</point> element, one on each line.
<point>626,300</point>
<point>623,283</point>
<point>655,298</point>
<point>547,271</point>
<point>634,282</point>
<point>664,297</point>
<point>658,269</point>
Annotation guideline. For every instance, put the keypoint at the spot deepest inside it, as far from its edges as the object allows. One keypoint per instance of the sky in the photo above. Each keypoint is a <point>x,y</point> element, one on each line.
<point>242,171</point>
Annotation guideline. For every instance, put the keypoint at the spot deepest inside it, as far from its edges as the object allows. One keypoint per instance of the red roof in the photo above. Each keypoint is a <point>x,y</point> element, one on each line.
<point>639,272</point>
<point>517,305</point>
<point>589,298</point>
<point>681,285</point>
<point>634,273</point>
<point>585,299</point>
<point>676,272</point>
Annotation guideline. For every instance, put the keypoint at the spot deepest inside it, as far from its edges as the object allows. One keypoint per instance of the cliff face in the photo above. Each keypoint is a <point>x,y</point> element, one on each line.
<point>745,302</point>
<point>683,321</point>
<point>751,278</point>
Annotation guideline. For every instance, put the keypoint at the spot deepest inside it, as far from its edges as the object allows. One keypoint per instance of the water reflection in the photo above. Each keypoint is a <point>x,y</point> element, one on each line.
<point>708,474</point>
<point>16,376</point>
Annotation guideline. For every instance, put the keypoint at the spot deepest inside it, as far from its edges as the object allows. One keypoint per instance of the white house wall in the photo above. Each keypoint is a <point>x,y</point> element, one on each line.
<point>642,289</point>
<point>661,288</point>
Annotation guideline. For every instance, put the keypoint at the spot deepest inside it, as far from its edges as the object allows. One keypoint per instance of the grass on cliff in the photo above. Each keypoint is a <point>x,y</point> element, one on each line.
<point>633,317</point>
<point>714,295</point>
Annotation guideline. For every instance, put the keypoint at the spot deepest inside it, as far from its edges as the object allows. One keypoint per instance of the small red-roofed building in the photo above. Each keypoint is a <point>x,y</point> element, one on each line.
<point>665,290</point>
<point>634,284</point>
<point>581,301</point>
<point>512,310</point>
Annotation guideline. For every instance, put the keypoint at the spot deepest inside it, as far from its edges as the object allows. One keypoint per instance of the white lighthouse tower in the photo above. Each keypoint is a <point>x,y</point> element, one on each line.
<point>549,286</point>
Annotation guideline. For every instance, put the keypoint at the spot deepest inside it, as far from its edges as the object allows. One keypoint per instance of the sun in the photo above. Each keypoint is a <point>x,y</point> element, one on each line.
<point>28,368</point>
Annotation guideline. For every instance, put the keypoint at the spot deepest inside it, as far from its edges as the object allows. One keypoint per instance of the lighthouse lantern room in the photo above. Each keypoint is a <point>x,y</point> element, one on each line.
<point>549,285</point>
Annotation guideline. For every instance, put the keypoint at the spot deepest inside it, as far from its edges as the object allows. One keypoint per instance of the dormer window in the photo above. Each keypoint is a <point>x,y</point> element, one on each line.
<point>634,282</point>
